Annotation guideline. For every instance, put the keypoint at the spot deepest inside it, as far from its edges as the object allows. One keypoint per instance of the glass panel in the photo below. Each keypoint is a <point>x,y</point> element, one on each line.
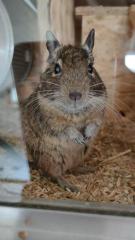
<point>78,125</point>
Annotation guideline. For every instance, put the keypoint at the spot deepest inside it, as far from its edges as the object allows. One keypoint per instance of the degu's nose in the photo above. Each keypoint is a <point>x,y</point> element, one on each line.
<point>75,95</point>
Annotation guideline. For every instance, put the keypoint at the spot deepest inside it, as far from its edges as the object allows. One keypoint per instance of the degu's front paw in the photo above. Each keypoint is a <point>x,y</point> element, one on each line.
<point>75,136</point>
<point>79,139</point>
<point>91,131</point>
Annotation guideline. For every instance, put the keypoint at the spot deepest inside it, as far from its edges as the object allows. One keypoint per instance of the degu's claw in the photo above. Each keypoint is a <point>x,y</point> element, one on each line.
<point>65,185</point>
<point>78,141</point>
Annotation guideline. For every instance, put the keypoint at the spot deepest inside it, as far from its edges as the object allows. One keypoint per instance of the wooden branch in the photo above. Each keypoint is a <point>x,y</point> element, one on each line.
<point>132,16</point>
<point>57,16</point>
<point>62,20</point>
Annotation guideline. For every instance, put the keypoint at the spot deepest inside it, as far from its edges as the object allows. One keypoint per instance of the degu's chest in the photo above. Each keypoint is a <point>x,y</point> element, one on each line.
<point>60,122</point>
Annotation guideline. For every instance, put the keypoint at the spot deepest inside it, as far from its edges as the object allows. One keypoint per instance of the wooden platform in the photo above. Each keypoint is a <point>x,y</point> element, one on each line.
<point>115,29</point>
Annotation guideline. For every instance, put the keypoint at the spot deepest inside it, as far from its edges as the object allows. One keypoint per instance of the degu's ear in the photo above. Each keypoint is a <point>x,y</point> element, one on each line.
<point>51,42</point>
<point>89,43</point>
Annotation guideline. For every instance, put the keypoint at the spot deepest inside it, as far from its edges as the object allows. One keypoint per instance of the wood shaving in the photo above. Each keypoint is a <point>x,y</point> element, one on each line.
<point>112,170</point>
<point>23,235</point>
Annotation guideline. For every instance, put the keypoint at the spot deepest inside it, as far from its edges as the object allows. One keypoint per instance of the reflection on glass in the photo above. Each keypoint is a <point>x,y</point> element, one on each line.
<point>109,172</point>
<point>130,61</point>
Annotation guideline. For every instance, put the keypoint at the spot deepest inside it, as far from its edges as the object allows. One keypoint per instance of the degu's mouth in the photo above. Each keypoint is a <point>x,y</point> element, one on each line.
<point>74,108</point>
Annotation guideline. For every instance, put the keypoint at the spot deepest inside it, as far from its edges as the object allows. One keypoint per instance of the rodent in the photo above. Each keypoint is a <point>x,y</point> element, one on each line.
<point>65,112</point>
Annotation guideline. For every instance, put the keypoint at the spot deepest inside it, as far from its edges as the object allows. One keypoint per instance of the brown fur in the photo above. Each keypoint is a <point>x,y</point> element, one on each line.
<point>46,125</point>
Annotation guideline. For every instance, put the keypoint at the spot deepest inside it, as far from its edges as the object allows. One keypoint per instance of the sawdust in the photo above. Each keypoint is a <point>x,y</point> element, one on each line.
<point>111,176</point>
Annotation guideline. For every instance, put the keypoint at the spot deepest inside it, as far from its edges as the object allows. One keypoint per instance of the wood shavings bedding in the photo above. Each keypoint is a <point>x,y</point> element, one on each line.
<point>111,165</point>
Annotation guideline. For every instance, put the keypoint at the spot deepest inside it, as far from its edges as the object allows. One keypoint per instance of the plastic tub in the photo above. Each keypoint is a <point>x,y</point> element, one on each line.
<point>6,45</point>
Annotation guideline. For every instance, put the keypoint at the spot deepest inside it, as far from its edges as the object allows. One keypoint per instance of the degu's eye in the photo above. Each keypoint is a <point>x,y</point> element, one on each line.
<point>57,69</point>
<point>90,68</point>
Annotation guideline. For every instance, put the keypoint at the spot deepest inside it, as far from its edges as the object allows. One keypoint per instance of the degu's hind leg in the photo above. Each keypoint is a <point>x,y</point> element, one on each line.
<point>51,166</point>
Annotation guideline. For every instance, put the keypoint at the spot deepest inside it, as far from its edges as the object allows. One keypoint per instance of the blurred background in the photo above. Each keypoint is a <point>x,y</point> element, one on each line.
<point>70,21</point>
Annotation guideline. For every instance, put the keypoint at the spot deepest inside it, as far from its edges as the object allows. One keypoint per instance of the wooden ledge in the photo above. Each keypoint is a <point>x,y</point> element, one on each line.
<point>86,11</point>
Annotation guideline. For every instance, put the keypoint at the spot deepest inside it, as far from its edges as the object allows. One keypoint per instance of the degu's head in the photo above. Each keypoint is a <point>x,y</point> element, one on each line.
<point>70,81</point>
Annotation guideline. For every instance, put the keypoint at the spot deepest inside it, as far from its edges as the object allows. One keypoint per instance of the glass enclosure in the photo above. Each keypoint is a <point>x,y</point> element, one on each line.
<point>107,176</point>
